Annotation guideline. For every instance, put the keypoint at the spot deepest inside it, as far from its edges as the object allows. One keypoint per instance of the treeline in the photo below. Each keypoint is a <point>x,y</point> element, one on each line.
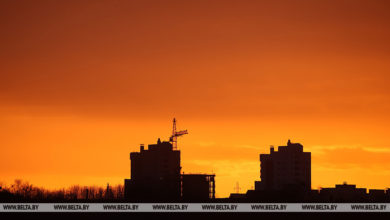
<point>24,191</point>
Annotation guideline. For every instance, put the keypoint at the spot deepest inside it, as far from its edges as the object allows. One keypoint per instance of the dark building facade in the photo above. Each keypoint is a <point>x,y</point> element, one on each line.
<point>198,187</point>
<point>349,193</point>
<point>155,173</point>
<point>289,168</point>
<point>343,193</point>
<point>156,176</point>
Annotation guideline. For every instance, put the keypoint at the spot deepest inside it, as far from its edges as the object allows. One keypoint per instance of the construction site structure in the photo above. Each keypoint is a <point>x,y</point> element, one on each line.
<point>175,134</point>
<point>155,175</point>
<point>198,187</point>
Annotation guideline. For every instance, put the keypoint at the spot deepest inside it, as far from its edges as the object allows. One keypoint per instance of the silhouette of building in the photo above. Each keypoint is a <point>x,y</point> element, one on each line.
<point>350,193</point>
<point>343,193</point>
<point>285,176</point>
<point>155,173</point>
<point>155,176</point>
<point>378,195</point>
<point>287,168</point>
<point>198,187</point>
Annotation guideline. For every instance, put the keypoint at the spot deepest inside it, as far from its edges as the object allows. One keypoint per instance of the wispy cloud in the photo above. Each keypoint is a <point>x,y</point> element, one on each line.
<point>233,168</point>
<point>352,156</point>
<point>249,147</point>
<point>207,144</point>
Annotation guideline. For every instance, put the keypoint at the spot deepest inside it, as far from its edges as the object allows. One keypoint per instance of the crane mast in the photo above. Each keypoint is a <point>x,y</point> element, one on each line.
<point>175,134</point>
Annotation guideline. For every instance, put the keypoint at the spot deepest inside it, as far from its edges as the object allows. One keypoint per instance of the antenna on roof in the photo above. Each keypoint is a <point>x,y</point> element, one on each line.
<point>237,188</point>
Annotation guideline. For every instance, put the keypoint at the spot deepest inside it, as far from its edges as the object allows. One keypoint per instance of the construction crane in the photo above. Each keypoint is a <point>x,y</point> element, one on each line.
<point>175,134</point>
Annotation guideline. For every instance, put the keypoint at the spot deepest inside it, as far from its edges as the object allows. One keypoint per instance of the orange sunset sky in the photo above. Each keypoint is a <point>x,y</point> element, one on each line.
<point>83,83</point>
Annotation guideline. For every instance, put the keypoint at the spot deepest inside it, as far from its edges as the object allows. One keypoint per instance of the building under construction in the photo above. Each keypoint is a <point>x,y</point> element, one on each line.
<point>198,187</point>
<point>156,175</point>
